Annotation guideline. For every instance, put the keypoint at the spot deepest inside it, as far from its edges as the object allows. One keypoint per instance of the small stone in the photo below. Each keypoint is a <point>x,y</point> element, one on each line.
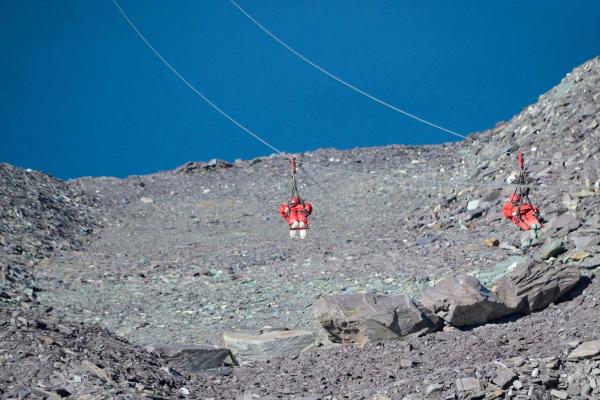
<point>433,388</point>
<point>473,204</point>
<point>493,392</point>
<point>184,391</point>
<point>517,361</point>
<point>559,394</point>
<point>535,373</point>
<point>518,385</point>
<point>552,364</point>
<point>579,255</point>
<point>504,378</point>
<point>467,384</point>
<point>584,193</point>
<point>96,371</point>
<point>585,389</point>
<point>405,363</point>
<point>146,200</point>
<point>574,390</point>
<point>491,242</point>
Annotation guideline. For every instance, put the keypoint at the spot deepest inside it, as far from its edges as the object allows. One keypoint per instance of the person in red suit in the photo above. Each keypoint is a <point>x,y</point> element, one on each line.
<point>296,214</point>
<point>524,215</point>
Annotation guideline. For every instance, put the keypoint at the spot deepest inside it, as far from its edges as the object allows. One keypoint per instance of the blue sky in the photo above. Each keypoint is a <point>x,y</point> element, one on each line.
<point>80,94</point>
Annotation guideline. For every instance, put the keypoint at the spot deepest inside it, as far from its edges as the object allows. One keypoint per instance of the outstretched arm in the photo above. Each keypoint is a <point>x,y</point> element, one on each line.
<point>284,210</point>
<point>308,208</point>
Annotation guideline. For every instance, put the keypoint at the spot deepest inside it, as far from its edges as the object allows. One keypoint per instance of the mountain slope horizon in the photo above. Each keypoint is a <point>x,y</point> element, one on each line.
<point>183,256</point>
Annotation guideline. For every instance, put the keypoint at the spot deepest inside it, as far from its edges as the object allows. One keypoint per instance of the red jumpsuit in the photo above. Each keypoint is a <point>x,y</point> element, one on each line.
<point>296,212</point>
<point>525,218</point>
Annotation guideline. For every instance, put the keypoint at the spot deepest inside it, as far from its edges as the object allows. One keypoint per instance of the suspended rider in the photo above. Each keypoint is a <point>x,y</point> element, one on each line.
<point>519,208</point>
<point>296,210</point>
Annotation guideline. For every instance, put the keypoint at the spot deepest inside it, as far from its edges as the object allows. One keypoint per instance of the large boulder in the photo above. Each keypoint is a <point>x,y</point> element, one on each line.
<point>264,345</point>
<point>463,301</point>
<point>533,286</point>
<point>193,358</point>
<point>358,318</point>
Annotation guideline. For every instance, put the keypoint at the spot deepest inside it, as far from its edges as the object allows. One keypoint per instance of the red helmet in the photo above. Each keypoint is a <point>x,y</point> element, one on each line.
<point>295,201</point>
<point>515,198</point>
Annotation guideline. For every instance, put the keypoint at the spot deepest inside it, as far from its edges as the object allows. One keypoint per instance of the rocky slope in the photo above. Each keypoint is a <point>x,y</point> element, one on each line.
<point>183,256</point>
<point>39,215</point>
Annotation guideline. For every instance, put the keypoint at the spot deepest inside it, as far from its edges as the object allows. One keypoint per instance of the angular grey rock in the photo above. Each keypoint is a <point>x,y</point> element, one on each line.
<point>248,346</point>
<point>468,384</point>
<point>566,221</point>
<point>584,240</point>
<point>433,388</point>
<point>559,394</point>
<point>463,301</point>
<point>358,318</point>
<point>190,167</point>
<point>551,248</point>
<point>193,358</point>
<point>504,378</point>
<point>473,204</point>
<point>216,163</point>
<point>533,286</point>
<point>585,350</point>
<point>517,385</point>
<point>591,262</point>
<point>94,370</point>
<point>474,214</point>
<point>198,166</point>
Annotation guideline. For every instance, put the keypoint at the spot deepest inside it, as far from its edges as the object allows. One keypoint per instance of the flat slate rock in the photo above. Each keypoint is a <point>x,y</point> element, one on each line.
<point>193,358</point>
<point>468,384</point>
<point>255,346</point>
<point>591,263</point>
<point>585,350</point>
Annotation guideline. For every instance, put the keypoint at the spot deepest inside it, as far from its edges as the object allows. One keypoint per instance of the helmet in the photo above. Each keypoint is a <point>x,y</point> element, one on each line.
<point>295,201</point>
<point>515,198</point>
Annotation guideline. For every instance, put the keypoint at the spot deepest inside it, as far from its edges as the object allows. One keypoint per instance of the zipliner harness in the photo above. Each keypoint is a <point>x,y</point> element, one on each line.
<point>519,208</point>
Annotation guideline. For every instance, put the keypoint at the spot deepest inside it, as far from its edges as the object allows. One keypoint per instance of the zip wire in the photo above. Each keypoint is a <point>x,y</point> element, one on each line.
<point>188,84</point>
<point>269,145</point>
<point>340,80</point>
